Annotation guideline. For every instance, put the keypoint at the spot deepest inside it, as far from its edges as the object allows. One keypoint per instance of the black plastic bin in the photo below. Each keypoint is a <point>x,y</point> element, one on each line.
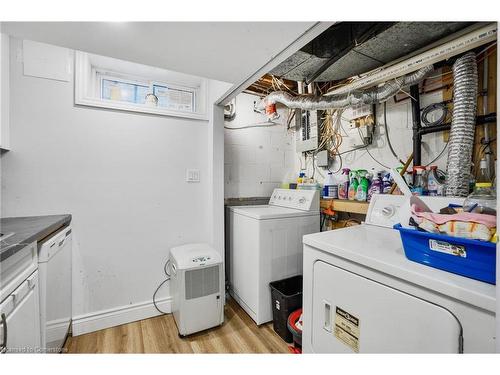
<point>286,297</point>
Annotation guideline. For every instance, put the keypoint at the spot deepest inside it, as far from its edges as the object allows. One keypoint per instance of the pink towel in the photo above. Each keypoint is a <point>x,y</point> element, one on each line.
<point>489,220</point>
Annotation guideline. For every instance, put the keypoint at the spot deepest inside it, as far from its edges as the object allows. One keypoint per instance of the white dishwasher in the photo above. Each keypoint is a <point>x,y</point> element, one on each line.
<point>54,267</point>
<point>19,310</point>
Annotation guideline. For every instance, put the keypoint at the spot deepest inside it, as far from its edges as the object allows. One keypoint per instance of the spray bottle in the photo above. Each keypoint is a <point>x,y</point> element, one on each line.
<point>353,185</point>
<point>344,184</point>
<point>362,191</point>
<point>386,183</point>
<point>376,187</point>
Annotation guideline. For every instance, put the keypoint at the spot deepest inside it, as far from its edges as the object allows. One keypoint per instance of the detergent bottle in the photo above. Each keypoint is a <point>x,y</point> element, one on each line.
<point>435,185</point>
<point>419,184</point>
<point>302,177</point>
<point>330,188</point>
<point>386,183</point>
<point>364,183</point>
<point>344,184</point>
<point>353,185</point>
<point>376,186</point>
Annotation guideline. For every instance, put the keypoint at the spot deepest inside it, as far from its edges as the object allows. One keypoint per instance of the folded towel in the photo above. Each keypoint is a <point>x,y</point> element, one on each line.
<point>488,220</point>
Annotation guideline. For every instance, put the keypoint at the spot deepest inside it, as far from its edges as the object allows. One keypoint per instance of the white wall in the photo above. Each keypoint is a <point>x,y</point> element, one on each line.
<point>4,91</point>
<point>121,176</point>
<point>256,160</point>
<point>216,167</point>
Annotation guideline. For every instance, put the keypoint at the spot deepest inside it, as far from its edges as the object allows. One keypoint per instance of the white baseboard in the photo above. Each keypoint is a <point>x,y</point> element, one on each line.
<point>120,315</point>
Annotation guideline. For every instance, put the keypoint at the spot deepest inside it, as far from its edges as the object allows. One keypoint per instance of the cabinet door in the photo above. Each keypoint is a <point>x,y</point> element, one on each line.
<point>23,318</point>
<point>57,295</point>
<point>355,314</point>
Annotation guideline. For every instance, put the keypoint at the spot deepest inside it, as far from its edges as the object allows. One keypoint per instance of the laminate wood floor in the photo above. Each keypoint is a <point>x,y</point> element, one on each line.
<point>238,334</point>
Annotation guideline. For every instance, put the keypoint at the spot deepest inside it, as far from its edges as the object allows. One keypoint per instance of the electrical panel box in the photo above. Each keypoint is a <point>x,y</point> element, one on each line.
<point>322,159</point>
<point>306,126</point>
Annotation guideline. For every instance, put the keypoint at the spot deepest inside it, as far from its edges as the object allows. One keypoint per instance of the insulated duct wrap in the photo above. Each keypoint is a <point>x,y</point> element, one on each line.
<point>370,96</point>
<point>463,125</point>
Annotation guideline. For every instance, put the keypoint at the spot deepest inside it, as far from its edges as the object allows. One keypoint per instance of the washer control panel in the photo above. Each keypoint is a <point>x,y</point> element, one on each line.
<point>304,200</point>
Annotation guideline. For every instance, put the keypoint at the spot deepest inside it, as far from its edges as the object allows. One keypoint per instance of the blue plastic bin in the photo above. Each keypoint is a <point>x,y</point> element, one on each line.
<point>470,258</point>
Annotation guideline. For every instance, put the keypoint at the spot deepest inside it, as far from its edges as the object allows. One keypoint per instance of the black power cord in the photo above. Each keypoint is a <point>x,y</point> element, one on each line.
<point>432,108</point>
<point>387,136</point>
<point>165,267</point>
<point>439,155</point>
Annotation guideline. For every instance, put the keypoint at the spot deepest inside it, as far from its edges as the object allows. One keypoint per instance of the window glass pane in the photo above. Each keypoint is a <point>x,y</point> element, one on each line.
<point>124,91</point>
<point>176,99</point>
<point>140,94</point>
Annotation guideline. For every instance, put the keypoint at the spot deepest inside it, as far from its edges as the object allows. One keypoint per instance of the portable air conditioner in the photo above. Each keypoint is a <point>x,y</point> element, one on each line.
<point>197,288</point>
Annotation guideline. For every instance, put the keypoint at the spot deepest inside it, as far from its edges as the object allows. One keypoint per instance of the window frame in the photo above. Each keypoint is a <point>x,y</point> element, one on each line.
<point>88,90</point>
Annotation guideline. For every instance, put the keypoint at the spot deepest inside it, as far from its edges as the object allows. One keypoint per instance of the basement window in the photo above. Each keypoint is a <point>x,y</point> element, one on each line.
<point>172,98</point>
<point>120,90</point>
<point>116,84</point>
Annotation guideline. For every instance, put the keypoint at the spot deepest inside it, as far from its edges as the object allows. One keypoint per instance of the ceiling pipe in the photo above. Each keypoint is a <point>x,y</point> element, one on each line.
<point>322,102</point>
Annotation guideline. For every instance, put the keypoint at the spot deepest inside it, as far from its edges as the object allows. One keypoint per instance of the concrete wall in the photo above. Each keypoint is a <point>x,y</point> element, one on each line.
<point>122,177</point>
<point>256,160</point>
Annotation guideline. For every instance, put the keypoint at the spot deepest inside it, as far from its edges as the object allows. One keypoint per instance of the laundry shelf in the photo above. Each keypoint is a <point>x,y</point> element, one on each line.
<point>345,205</point>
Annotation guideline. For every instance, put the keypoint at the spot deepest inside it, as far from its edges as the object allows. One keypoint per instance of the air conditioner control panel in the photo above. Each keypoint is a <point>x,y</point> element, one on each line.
<point>200,259</point>
<point>304,200</point>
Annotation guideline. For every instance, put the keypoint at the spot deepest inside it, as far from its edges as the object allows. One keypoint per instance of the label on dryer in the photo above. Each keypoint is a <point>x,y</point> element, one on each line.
<point>448,248</point>
<point>347,328</point>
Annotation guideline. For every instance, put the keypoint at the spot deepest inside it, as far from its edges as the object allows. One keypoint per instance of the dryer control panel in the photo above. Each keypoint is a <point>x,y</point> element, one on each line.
<point>385,210</point>
<point>304,200</point>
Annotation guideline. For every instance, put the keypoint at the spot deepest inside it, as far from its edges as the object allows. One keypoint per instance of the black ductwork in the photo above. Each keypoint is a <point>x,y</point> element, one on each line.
<point>347,49</point>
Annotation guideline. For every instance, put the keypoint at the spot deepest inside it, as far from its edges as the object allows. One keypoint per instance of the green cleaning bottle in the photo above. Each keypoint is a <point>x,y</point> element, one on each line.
<point>353,185</point>
<point>362,190</point>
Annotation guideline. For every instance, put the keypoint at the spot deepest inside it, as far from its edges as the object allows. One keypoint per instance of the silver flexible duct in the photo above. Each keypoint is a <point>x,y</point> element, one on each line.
<point>463,124</point>
<point>323,102</point>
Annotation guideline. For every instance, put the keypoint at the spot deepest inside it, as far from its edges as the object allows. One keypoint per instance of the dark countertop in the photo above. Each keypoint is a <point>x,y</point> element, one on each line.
<point>27,230</point>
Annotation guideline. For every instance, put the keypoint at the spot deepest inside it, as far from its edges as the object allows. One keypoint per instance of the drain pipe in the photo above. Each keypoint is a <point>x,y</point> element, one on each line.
<point>417,137</point>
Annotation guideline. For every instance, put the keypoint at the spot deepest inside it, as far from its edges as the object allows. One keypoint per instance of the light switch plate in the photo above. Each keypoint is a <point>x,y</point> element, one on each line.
<point>192,175</point>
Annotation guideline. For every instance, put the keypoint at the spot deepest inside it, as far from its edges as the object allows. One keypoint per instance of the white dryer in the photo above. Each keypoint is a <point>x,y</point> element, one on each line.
<point>361,294</point>
<point>266,245</point>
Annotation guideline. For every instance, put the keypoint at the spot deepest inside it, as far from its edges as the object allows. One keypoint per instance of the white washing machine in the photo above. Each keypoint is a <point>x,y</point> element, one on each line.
<point>266,245</point>
<point>361,294</point>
